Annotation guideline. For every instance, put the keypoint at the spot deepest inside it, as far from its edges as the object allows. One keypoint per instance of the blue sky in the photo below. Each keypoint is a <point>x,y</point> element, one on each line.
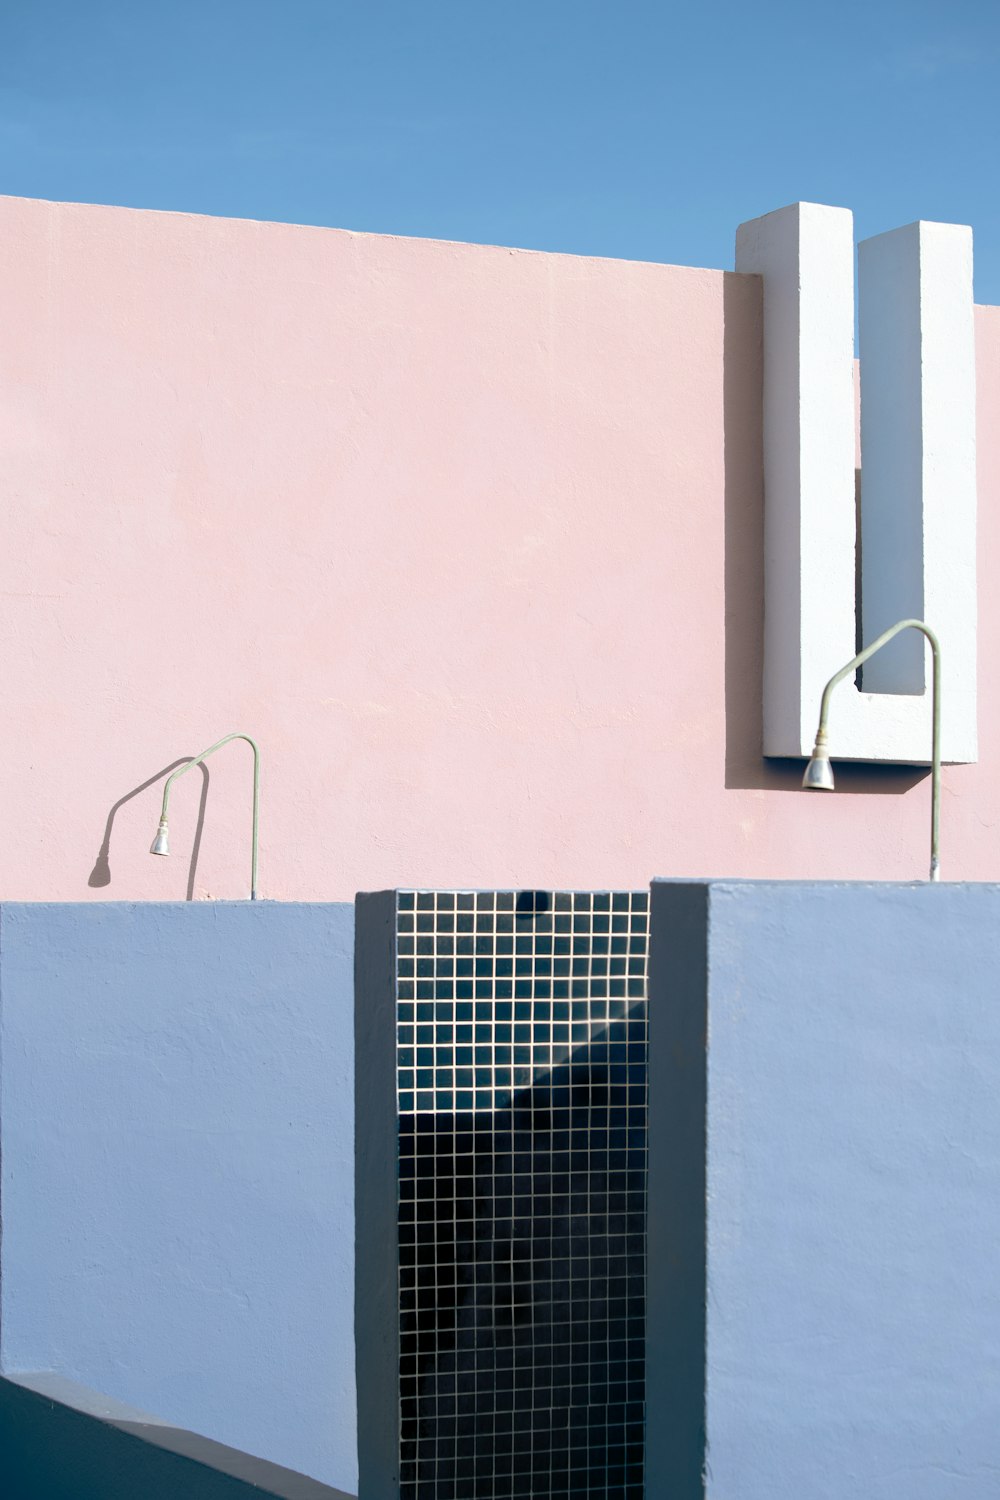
<point>637,128</point>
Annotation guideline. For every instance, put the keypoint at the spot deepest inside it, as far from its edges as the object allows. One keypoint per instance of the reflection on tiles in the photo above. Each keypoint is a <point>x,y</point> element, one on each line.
<point>522,1166</point>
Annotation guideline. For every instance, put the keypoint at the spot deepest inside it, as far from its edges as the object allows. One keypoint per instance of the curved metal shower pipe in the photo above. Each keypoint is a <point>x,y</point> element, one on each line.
<point>160,843</point>
<point>818,776</point>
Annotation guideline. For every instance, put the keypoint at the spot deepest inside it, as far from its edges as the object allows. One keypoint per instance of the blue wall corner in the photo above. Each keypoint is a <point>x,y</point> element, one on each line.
<point>846,1109</point>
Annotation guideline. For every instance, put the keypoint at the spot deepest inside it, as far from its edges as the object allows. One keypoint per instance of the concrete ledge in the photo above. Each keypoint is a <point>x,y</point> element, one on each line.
<point>61,1441</point>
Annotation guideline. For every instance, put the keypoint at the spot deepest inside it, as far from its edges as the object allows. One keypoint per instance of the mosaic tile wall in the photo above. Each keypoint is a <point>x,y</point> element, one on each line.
<point>522,1180</point>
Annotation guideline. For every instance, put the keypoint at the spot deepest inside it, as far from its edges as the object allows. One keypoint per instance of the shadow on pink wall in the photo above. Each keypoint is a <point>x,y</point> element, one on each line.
<point>100,875</point>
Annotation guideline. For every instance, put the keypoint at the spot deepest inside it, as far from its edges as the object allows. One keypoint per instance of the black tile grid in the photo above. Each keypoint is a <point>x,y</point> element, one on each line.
<point>522,1171</point>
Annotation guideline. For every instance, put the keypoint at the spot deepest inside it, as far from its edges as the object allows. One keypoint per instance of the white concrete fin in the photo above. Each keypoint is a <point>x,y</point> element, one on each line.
<point>918,480</point>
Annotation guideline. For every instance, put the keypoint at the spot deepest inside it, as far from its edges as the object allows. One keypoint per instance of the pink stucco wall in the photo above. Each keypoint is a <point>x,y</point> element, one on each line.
<point>470,538</point>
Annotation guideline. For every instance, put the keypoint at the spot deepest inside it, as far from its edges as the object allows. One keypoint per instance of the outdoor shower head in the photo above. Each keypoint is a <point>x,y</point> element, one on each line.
<point>819,772</point>
<point>818,775</point>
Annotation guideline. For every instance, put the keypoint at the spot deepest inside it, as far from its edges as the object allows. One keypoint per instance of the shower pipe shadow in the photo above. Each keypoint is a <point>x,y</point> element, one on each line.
<point>527,1270</point>
<point>746,766</point>
<point>100,875</point>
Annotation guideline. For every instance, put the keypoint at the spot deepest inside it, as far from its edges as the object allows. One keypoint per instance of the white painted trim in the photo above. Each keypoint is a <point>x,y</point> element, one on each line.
<point>918,483</point>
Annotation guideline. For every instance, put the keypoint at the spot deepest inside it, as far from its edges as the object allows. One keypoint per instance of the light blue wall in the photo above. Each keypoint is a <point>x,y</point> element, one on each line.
<point>177,1133</point>
<point>845,1123</point>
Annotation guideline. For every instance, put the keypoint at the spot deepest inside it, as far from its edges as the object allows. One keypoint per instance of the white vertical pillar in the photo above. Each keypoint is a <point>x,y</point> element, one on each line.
<point>805,253</point>
<point>918,443</point>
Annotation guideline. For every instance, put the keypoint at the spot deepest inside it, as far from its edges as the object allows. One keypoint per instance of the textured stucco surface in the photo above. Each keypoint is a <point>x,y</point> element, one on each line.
<point>177,1127</point>
<point>845,1121</point>
<point>470,538</point>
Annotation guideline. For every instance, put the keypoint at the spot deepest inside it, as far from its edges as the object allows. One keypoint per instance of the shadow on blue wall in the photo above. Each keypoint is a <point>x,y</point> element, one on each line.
<point>522,1269</point>
<point>62,1442</point>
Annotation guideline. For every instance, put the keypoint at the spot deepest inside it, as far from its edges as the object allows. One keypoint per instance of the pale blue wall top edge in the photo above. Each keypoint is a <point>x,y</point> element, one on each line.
<point>191,906</point>
<point>735,883</point>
